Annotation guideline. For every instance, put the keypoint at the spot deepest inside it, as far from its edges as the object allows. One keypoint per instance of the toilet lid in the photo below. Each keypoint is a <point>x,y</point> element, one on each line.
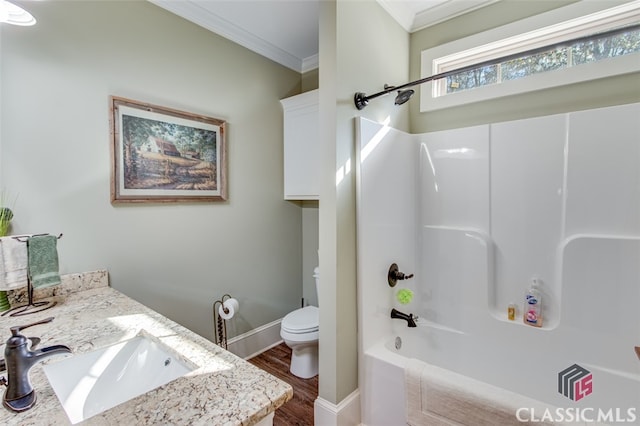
<point>303,320</point>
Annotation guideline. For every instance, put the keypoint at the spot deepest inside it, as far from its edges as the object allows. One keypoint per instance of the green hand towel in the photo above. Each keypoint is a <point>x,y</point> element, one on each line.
<point>43,260</point>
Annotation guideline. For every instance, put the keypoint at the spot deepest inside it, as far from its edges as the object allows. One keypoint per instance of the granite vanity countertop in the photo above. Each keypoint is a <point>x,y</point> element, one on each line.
<point>223,389</point>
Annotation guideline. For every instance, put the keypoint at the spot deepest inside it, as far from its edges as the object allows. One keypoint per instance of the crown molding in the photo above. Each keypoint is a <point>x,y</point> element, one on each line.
<point>436,14</point>
<point>411,21</point>
<point>400,13</point>
<point>445,11</point>
<point>310,63</point>
<point>230,31</point>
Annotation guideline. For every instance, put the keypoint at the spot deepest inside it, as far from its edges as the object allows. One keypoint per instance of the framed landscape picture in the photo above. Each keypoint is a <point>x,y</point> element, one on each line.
<point>160,154</point>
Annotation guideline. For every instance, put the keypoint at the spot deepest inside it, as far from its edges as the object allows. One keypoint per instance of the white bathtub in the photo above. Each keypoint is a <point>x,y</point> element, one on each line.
<point>475,213</point>
<point>383,388</point>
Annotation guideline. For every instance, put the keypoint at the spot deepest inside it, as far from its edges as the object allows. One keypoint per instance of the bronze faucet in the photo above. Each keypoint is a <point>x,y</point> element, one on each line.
<point>410,319</point>
<point>19,357</point>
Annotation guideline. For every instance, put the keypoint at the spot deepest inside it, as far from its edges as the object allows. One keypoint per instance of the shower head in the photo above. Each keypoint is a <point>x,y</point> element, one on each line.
<point>404,96</point>
<point>361,100</point>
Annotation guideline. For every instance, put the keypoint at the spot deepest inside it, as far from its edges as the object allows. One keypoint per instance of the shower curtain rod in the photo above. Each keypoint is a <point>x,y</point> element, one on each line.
<point>361,99</point>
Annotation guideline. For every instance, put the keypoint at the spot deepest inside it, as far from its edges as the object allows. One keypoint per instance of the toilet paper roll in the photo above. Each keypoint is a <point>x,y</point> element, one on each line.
<point>231,306</point>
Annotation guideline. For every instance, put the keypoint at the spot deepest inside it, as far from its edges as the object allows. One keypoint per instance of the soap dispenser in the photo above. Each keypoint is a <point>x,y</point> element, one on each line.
<point>533,304</point>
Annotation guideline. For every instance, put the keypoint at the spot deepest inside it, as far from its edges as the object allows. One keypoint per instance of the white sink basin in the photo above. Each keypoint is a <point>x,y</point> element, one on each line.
<point>90,383</point>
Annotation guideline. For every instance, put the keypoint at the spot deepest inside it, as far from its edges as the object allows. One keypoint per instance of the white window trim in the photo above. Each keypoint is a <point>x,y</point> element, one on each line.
<point>569,22</point>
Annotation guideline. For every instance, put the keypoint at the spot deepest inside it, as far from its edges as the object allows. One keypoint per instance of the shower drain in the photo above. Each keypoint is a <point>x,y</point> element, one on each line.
<point>398,342</point>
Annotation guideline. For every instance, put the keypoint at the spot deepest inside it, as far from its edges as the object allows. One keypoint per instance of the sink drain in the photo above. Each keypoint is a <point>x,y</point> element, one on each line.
<point>167,361</point>
<point>398,342</point>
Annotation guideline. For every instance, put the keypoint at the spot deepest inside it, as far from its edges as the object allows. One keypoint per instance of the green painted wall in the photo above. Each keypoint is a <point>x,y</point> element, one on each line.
<point>310,80</point>
<point>175,258</point>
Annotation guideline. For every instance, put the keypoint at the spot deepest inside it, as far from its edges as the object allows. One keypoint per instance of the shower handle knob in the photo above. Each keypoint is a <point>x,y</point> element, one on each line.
<point>395,275</point>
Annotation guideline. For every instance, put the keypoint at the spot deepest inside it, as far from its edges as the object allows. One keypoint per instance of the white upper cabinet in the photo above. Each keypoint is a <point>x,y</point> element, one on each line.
<point>301,150</point>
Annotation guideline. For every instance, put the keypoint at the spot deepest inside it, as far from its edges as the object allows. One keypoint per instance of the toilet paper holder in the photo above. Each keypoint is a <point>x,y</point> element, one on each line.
<point>221,323</point>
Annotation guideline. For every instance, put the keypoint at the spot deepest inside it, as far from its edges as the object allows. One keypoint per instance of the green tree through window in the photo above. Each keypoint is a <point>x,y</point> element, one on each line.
<point>577,54</point>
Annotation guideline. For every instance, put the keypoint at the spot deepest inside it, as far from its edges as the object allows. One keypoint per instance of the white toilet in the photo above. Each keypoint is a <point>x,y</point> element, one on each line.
<point>299,330</point>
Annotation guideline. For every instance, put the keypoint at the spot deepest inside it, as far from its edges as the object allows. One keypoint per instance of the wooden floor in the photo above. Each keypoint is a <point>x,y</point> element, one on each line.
<point>299,410</point>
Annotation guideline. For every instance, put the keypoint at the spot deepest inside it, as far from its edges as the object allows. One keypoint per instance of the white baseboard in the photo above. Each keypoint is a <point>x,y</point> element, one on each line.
<point>256,341</point>
<point>345,413</point>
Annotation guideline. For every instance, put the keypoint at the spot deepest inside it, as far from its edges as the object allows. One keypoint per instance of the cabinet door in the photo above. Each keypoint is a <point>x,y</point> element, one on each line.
<point>301,153</point>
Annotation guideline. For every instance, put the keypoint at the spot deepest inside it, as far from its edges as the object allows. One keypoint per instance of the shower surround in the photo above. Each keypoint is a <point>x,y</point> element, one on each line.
<point>476,213</point>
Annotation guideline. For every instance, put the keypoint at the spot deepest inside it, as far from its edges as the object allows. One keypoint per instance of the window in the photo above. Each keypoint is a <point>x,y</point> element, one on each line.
<point>554,59</point>
<point>606,56</point>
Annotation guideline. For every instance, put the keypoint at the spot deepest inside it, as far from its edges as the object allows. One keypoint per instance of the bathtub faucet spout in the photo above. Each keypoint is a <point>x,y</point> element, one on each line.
<point>410,319</point>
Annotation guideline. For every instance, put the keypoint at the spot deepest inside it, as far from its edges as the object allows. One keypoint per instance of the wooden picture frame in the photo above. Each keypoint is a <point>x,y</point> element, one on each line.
<point>161,155</point>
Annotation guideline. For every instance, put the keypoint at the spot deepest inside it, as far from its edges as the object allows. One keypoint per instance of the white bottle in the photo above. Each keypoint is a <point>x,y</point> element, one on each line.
<point>533,305</point>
